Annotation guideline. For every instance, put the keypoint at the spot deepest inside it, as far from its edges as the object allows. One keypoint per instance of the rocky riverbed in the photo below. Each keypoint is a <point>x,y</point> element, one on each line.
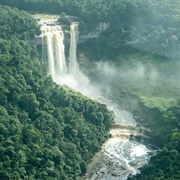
<point>120,156</point>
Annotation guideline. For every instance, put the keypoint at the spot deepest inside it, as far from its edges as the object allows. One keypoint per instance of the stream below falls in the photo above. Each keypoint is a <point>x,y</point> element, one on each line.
<point>119,156</point>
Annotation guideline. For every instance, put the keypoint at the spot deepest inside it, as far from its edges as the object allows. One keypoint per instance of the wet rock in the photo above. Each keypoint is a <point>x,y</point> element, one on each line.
<point>133,163</point>
<point>114,174</point>
<point>103,170</point>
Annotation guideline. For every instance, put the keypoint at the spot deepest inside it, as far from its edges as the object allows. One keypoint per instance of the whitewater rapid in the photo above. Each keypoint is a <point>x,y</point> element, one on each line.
<point>119,157</point>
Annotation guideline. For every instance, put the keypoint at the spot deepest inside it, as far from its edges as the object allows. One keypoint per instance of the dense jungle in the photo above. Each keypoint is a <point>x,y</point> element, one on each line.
<point>49,131</point>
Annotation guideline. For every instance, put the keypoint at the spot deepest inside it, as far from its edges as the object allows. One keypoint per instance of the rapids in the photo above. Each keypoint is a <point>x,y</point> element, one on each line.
<point>119,157</point>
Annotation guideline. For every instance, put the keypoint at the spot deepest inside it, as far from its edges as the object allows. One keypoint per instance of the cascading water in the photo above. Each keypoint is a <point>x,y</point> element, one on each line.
<point>119,157</point>
<point>73,65</point>
<point>53,50</point>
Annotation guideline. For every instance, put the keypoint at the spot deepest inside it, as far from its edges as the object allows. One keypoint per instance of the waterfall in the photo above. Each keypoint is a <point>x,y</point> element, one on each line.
<point>53,53</point>
<point>73,65</point>
<point>122,155</point>
<point>50,54</point>
<point>53,50</point>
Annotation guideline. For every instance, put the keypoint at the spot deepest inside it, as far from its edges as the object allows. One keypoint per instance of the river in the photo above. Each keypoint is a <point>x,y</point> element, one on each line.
<point>119,157</point>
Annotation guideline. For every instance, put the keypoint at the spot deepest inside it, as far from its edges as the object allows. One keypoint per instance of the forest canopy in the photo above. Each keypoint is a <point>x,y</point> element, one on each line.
<point>19,24</point>
<point>46,131</point>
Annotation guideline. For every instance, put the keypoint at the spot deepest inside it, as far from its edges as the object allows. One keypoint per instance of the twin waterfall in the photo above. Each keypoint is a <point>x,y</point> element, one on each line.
<point>53,51</point>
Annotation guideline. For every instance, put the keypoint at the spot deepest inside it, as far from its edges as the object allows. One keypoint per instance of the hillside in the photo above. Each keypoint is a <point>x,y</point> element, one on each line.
<point>46,131</point>
<point>135,61</point>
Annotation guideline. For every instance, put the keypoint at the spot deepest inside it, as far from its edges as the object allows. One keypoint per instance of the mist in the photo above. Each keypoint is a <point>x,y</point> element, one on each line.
<point>79,82</point>
<point>155,29</point>
<point>109,74</point>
